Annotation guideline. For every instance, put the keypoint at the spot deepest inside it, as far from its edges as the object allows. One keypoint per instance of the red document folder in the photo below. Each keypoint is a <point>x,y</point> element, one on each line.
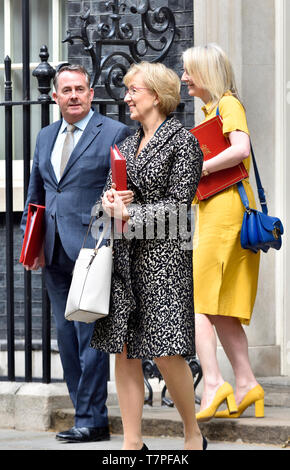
<point>119,177</point>
<point>212,142</point>
<point>34,235</point>
<point>118,166</point>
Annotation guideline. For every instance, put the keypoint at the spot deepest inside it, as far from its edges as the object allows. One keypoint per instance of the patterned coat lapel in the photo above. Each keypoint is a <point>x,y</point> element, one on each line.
<point>130,153</point>
<point>135,165</point>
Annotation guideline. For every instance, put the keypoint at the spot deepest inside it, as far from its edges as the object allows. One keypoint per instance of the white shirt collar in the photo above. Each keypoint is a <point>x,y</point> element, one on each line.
<point>81,125</point>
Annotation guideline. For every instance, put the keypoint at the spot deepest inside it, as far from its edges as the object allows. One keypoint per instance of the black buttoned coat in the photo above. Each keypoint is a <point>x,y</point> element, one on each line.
<point>152,285</point>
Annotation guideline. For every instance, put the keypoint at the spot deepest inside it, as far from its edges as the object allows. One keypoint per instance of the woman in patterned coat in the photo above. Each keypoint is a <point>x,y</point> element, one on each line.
<point>152,313</point>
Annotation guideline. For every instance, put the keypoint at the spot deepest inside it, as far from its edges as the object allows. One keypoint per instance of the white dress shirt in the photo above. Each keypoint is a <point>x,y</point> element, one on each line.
<point>57,149</point>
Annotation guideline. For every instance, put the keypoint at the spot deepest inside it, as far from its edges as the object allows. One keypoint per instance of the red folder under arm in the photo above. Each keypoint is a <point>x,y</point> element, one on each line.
<point>34,235</point>
<point>212,142</point>
<point>119,177</point>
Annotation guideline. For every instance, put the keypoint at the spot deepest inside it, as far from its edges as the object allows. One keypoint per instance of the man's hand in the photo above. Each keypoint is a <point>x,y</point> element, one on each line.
<point>39,262</point>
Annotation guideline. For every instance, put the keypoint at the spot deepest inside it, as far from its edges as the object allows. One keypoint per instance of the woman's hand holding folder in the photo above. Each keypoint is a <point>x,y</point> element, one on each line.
<point>126,196</point>
<point>115,202</point>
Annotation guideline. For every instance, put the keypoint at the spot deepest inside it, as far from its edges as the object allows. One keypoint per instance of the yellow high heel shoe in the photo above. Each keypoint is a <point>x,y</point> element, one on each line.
<point>256,395</point>
<point>224,392</point>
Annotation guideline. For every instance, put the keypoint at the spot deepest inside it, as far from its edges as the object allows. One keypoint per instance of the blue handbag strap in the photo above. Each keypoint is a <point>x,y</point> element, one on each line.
<point>241,189</point>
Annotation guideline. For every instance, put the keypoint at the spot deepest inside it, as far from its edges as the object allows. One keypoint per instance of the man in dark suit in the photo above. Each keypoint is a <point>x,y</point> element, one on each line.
<point>70,167</point>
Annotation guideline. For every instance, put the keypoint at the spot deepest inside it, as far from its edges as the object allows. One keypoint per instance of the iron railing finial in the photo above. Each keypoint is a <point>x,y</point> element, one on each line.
<point>44,73</point>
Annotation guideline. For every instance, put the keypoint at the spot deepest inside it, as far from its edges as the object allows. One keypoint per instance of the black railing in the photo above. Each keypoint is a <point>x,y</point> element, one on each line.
<point>9,223</point>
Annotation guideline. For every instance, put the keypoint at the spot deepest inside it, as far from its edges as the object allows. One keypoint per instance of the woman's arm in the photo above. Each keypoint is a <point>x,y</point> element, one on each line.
<point>239,150</point>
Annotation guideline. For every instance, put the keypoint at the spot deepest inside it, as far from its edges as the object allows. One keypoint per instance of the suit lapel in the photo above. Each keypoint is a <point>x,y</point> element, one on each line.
<point>89,134</point>
<point>51,138</point>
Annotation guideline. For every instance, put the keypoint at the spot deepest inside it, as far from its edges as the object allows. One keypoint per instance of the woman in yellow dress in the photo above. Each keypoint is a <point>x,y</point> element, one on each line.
<point>225,274</point>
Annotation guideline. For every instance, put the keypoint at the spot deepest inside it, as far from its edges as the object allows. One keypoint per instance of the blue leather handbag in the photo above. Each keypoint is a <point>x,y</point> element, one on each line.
<point>259,230</point>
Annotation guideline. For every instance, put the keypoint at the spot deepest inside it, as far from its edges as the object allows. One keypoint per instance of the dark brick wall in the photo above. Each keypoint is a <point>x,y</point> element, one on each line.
<point>183,12</point>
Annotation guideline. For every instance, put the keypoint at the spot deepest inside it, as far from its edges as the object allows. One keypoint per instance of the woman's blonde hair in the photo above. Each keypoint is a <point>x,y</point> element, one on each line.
<point>160,80</point>
<point>211,69</point>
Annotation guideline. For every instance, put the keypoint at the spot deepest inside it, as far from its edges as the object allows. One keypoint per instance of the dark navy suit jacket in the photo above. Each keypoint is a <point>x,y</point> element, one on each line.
<point>69,201</point>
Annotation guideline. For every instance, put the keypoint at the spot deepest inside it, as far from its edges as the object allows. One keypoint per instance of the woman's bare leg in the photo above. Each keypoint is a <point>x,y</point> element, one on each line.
<point>235,343</point>
<point>206,348</point>
<point>130,390</point>
<point>179,381</point>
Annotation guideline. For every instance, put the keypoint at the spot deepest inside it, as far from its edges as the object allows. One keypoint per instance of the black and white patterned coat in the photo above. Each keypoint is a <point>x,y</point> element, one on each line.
<point>152,287</point>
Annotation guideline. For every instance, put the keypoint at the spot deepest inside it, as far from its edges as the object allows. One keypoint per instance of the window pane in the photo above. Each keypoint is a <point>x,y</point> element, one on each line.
<point>40,32</point>
<point>40,27</point>
<point>16,31</point>
<point>1,32</point>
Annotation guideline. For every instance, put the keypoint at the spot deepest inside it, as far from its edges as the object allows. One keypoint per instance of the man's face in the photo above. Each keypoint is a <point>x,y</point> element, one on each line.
<point>73,96</point>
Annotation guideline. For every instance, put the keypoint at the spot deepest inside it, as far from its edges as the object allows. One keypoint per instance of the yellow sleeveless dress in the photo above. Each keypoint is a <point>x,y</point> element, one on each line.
<point>225,275</point>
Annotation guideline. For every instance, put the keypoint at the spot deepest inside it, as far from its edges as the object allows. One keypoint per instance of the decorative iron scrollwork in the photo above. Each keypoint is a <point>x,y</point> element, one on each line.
<point>158,23</point>
<point>151,371</point>
<point>117,31</point>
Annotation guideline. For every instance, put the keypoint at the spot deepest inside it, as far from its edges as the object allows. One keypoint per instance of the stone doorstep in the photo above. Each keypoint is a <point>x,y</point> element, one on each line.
<point>162,421</point>
<point>28,406</point>
<point>37,406</point>
<point>274,428</point>
<point>277,390</point>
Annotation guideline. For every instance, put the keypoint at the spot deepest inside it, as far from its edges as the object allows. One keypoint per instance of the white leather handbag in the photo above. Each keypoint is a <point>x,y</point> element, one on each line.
<point>89,295</point>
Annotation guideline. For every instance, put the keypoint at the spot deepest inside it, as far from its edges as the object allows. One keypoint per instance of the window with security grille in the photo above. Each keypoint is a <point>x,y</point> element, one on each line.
<point>47,25</point>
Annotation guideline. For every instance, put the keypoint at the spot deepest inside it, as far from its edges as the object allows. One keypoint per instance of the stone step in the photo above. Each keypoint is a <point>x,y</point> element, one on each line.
<point>36,406</point>
<point>277,390</point>
<point>158,420</point>
<point>274,428</point>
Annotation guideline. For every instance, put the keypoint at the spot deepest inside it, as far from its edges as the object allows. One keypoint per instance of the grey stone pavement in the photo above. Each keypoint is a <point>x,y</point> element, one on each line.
<point>11,439</point>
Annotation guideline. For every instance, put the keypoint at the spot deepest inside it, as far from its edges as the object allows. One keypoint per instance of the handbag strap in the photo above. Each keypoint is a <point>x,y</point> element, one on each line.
<point>104,231</point>
<point>260,189</point>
